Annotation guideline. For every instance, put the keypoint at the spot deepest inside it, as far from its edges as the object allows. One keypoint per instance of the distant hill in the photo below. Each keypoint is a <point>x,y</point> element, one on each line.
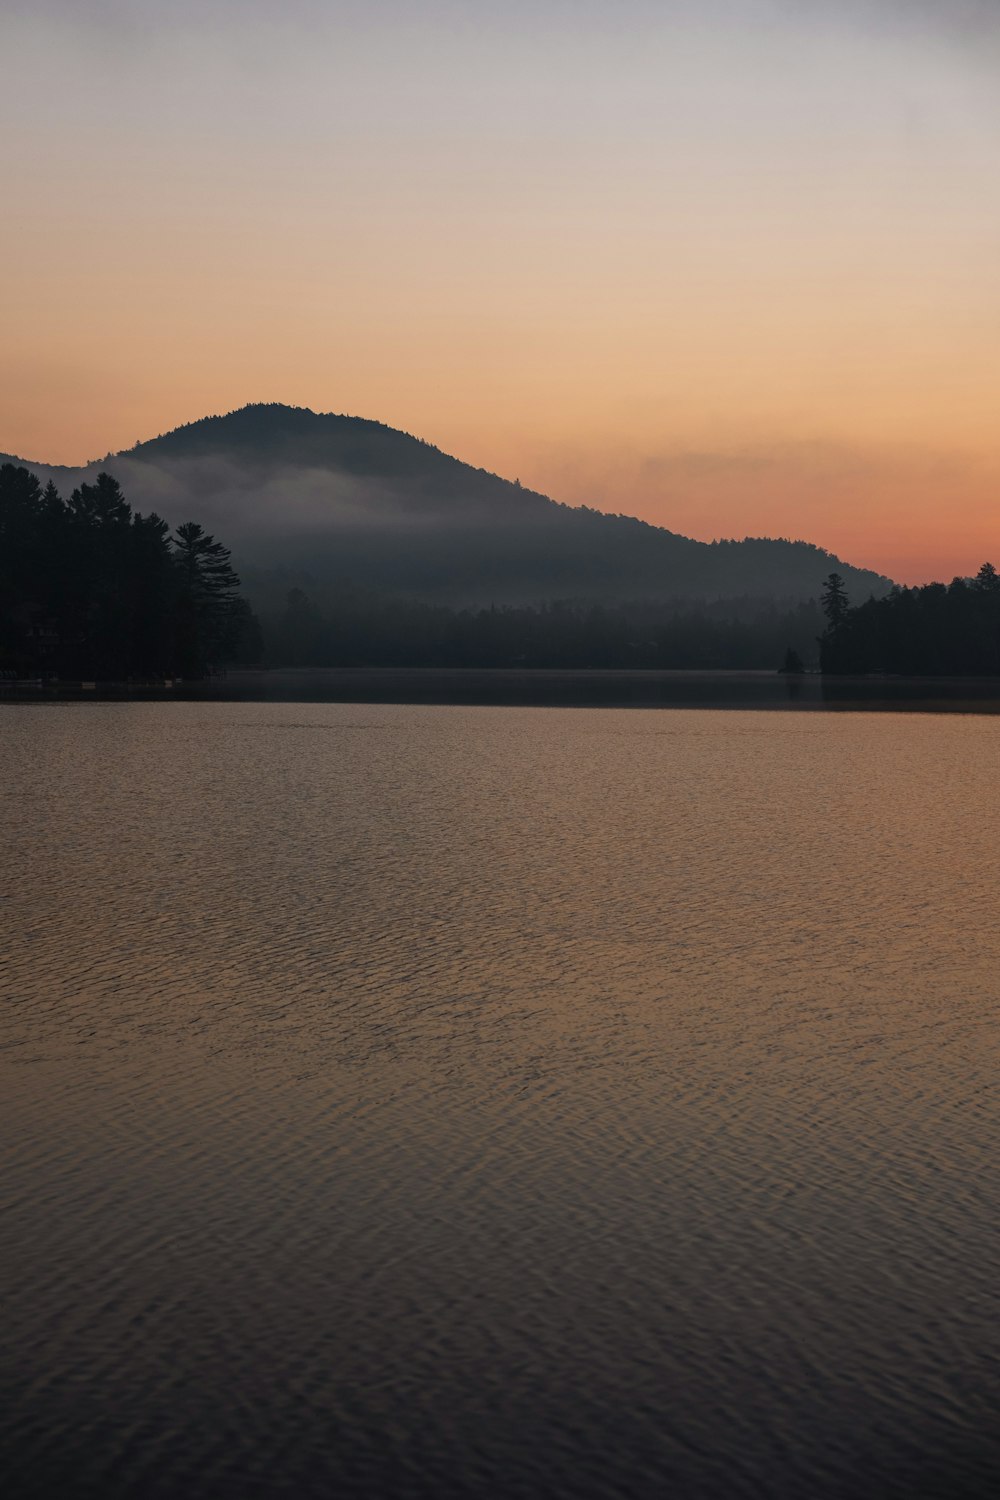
<point>334,501</point>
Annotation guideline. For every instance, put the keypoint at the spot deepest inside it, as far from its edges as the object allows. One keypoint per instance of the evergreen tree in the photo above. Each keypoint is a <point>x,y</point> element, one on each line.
<point>833,601</point>
<point>207,590</point>
<point>98,600</point>
<point>88,589</point>
<point>936,630</point>
<point>152,598</point>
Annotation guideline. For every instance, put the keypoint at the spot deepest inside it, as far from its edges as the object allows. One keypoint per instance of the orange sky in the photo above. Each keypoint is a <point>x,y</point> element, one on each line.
<point>733,267</point>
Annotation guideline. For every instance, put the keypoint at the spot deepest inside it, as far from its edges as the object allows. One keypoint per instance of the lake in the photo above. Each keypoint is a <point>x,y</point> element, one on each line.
<point>447,1101</point>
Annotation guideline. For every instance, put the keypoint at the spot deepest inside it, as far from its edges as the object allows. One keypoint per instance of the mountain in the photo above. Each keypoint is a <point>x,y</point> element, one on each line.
<point>335,501</point>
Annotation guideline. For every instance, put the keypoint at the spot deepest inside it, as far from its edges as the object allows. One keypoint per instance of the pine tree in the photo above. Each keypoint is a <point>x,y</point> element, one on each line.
<point>207,591</point>
<point>833,601</point>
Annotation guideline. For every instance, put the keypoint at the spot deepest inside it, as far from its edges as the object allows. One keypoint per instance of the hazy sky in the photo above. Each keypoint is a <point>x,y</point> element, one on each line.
<point>731,265</point>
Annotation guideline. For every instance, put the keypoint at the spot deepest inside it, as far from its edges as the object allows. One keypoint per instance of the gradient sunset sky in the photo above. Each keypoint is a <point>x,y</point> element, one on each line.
<point>729,265</point>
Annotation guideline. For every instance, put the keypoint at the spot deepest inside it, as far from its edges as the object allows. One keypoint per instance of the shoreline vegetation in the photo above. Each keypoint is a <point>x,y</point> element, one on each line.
<point>96,599</point>
<point>939,630</point>
<point>92,590</point>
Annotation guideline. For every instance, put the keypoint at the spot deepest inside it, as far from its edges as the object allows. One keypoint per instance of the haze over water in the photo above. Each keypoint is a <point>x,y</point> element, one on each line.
<point>436,1102</point>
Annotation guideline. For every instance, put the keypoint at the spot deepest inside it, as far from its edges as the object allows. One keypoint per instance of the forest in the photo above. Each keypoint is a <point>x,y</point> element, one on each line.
<point>353,628</point>
<point>91,589</point>
<point>950,630</point>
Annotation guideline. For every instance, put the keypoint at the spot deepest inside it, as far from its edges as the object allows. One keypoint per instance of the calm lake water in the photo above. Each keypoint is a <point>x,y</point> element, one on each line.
<point>454,1101</point>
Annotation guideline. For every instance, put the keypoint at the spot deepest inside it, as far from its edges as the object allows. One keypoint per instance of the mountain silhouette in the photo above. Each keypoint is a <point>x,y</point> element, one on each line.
<point>339,501</point>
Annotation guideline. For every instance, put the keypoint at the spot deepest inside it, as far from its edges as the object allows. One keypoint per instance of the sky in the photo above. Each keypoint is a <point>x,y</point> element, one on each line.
<point>729,265</point>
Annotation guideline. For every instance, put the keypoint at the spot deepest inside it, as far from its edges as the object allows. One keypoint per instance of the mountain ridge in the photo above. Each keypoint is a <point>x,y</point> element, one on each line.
<point>340,499</point>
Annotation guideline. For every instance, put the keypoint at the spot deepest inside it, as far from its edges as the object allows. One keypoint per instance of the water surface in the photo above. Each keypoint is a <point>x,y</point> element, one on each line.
<point>427,1101</point>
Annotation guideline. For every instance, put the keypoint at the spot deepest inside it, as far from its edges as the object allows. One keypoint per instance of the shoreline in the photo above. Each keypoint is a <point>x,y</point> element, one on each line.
<point>548,687</point>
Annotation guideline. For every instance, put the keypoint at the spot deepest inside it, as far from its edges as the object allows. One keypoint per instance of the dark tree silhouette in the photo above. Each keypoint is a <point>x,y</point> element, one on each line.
<point>207,590</point>
<point>359,628</point>
<point>203,565</point>
<point>950,630</point>
<point>90,589</point>
<point>833,600</point>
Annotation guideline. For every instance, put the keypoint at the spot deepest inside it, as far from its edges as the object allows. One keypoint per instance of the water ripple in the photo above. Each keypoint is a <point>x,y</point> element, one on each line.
<point>512,1102</point>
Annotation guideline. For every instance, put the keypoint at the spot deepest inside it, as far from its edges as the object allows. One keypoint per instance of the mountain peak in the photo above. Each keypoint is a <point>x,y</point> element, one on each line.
<point>346,499</point>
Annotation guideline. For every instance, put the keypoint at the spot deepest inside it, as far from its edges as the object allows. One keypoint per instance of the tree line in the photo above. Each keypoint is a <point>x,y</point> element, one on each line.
<point>935,630</point>
<point>354,629</point>
<point>90,588</point>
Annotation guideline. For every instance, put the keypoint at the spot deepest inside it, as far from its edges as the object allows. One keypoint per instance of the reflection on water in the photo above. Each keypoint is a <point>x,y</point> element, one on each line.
<point>459,1101</point>
<point>555,688</point>
<point>608,689</point>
